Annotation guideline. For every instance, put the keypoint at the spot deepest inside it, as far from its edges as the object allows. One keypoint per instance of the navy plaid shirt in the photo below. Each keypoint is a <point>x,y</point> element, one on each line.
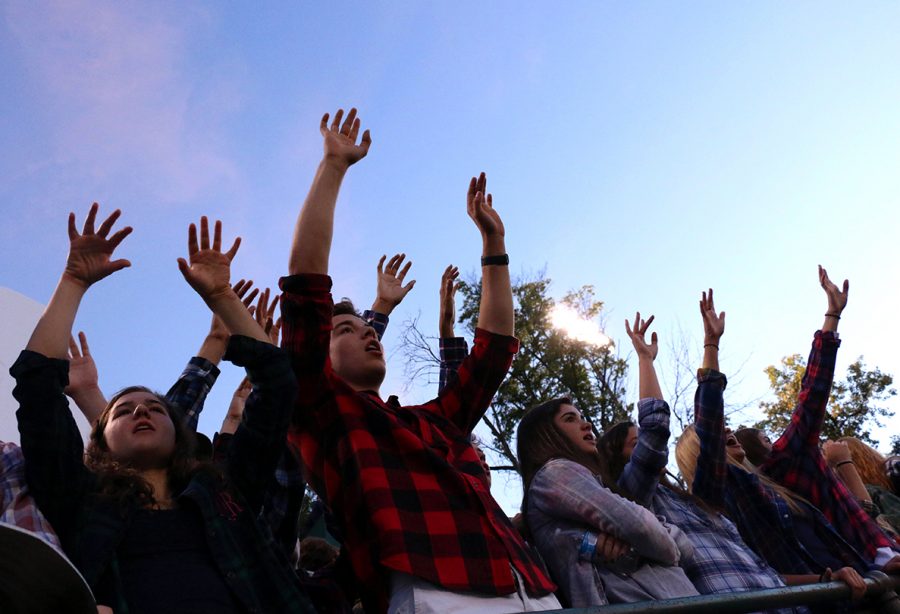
<point>762,516</point>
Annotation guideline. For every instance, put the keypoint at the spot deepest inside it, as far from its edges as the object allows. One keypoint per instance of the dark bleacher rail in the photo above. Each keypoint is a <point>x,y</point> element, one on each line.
<point>880,597</point>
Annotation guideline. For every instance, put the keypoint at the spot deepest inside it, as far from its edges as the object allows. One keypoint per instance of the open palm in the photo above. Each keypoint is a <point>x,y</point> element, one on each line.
<point>90,252</point>
<point>208,270</point>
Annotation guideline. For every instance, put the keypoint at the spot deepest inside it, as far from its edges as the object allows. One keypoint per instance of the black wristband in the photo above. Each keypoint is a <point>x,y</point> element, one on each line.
<point>502,259</point>
<point>843,462</point>
<point>833,315</point>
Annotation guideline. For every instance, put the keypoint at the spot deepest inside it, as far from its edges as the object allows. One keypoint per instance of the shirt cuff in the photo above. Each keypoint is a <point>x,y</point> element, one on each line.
<point>826,337</point>
<point>651,406</point>
<point>883,555</point>
<point>305,283</point>
<point>489,338</point>
<point>711,375</point>
<point>203,367</point>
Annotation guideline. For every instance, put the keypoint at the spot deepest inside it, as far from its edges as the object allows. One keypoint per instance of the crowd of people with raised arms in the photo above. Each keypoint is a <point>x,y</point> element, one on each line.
<point>159,518</point>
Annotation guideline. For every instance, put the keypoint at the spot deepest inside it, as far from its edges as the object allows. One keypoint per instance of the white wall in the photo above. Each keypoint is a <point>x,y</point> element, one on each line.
<point>18,315</point>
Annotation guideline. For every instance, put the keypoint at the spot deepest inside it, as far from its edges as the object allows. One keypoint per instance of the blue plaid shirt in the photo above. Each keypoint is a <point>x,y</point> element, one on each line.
<point>189,393</point>
<point>720,562</point>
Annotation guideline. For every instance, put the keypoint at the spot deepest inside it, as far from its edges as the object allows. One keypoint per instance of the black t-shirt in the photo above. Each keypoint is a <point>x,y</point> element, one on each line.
<point>166,566</point>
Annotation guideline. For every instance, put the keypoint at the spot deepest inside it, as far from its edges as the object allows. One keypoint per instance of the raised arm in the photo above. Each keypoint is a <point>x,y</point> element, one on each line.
<point>709,410</point>
<point>496,312</point>
<point>648,383</point>
<point>51,443</point>
<point>802,434</point>
<point>453,350</point>
<point>315,224</point>
<point>713,329</point>
<point>89,261</point>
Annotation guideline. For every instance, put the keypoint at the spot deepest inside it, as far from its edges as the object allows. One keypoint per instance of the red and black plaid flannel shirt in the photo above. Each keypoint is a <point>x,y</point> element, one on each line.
<point>404,482</point>
<point>797,462</point>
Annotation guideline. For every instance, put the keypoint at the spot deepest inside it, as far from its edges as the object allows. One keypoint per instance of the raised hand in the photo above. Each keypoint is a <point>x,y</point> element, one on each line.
<point>90,252</point>
<point>636,334</point>
<point>390,290</point>
<point>713,324</point>
<point>447,317</point>
<point>209,271</point>
<point>837,298</point>
<point>265,313</point>
<point>83,374</point>
<point>340,139</point>
<point>480,207</point>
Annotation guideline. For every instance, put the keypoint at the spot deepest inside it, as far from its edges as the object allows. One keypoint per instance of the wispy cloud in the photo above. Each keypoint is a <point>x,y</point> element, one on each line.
<point>118,100</point>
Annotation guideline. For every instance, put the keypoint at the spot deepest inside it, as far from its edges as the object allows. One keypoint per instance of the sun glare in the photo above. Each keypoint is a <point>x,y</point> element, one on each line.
<point>572,325</point>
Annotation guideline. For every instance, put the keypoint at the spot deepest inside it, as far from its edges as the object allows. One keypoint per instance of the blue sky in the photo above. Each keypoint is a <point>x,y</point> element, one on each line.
<point>651,149</point>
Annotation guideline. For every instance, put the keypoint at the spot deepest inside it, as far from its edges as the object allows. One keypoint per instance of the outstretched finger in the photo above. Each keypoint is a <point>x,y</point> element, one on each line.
<point>248,300</point>
<point>336,122</point>
<point>107,224</point>
<point>82,339</point>
<point>354,131</point>
<point>366,142</point>
<point>119,236</point>
<point>274,305</point>
<point>645,325</point>
<point>73,348</point>
<point>88,228</point>
<point>204,232</point>
<point>404,271</point>
<point>381,264</point>
<point>73,231</point>
<point>323,126</point>
<point>234,248</point>
<point>348,123</point>
<point>628,328</point>
<point>193,248</point>
<point>482,183</point>
<point>217,236</point>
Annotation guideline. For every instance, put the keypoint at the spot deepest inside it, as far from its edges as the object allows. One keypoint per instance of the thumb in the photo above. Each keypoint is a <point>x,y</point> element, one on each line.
<point>183,267</point>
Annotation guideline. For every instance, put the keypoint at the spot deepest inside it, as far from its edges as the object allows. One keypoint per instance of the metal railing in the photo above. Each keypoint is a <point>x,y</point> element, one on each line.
<point>880,597</point>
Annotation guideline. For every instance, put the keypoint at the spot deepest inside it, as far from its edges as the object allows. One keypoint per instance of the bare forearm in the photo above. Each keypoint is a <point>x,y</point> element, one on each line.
<point>831,323</point>
<point>711,354</point>
<point>850,477</point>
<point>236,317</point>
<point>496,313</point>
<point>91,402</point>
<point>315,224</point>
<point>52,332</point>
<point>213,348</point>
<point>648,386</point>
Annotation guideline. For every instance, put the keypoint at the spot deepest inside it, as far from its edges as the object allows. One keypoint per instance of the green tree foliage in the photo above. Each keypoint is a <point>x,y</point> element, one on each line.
<point>549,364</point>
<point>856,402</point>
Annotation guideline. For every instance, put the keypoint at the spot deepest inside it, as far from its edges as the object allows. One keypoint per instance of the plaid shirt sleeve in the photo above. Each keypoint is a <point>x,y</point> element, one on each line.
<point>453,352</point>
<point>51,442</point>
<point>796,461</point>
<point>377,320</point>
<point>258,443</point>
<point>189,393</point>
<point>306,307</point>
<point>17,506</point>
<point>567,491</point>
<point>641,473</point>
<point>465,398</point>
<point>709,422</point>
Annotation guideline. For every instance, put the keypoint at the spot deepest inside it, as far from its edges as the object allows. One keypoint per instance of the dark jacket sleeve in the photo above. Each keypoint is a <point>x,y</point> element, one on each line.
<point>259,441</point>
<point>50,440</point>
